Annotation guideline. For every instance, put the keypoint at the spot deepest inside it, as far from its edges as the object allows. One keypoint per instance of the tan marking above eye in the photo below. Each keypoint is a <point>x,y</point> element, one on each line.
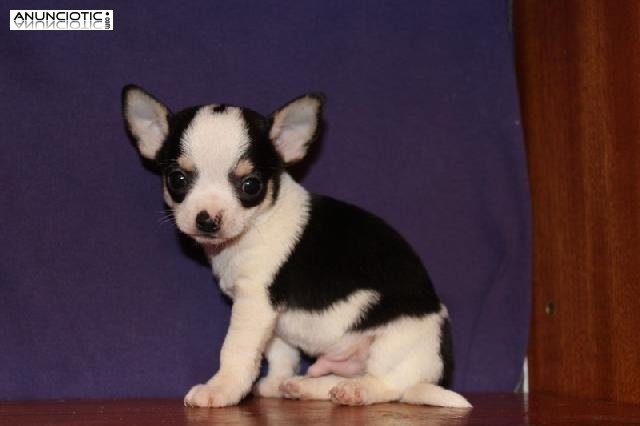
<point>186,164</point>
<point>243,168</point>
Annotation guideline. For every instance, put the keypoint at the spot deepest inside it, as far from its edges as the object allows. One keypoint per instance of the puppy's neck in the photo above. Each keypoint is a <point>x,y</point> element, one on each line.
<point>292,203</point>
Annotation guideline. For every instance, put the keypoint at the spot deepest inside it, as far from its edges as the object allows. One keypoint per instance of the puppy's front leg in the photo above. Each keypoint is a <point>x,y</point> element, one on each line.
<point>252,323</point>
<point>284,363</point>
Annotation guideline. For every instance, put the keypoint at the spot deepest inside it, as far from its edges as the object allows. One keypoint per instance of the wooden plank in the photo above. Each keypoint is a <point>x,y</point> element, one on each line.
<point>579,72</point>
<point>489,409</point>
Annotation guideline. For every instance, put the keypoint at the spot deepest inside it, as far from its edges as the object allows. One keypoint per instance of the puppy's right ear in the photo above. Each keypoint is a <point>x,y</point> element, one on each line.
<point>295,126</point>
<point>147,120</point>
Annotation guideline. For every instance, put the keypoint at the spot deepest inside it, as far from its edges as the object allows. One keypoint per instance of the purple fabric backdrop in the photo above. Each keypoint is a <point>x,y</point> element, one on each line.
<point>99,299</point>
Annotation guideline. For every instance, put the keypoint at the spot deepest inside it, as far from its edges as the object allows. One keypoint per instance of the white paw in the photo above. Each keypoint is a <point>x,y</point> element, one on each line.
<point>268,387</point>
<point>350,392</point>
<point>212,395</point>
<point>292,389</point>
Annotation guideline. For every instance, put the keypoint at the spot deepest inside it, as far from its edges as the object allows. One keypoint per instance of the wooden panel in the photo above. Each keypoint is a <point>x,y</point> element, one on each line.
<point>579,71</point>
<point>495,410</point>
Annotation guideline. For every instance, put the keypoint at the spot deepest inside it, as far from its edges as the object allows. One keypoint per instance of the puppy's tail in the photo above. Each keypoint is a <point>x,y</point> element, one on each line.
<point>429,394</point>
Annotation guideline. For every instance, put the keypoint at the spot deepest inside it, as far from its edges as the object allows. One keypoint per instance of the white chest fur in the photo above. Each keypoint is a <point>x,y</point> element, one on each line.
<point>258,254</point>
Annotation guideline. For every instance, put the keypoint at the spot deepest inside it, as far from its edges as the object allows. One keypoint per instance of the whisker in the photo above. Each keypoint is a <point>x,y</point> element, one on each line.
<point>167,216</point>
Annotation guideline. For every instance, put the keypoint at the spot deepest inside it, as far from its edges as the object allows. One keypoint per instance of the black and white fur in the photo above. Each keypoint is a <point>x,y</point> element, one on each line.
<point>305,272</point>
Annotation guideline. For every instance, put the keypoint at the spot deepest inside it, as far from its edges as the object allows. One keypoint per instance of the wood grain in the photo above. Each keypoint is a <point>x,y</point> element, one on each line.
<point>578,65</point>
<point>489,409</point>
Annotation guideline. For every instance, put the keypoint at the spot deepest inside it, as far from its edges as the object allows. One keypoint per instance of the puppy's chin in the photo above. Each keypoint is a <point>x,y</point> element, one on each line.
<point>214,241</point>
<point>211,241</point>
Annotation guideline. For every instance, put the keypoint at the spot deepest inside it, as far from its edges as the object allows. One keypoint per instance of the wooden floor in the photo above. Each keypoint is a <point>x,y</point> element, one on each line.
<point>489,409</point>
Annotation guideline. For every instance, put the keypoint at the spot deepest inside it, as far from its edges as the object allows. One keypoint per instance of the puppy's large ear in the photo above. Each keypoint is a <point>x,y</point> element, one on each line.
<point>296,125</point>
<point>147,120</point>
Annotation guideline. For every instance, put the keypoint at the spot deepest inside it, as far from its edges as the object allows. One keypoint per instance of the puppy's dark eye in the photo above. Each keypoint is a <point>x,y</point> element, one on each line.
<point>177,180</point>
<point>251,185</point>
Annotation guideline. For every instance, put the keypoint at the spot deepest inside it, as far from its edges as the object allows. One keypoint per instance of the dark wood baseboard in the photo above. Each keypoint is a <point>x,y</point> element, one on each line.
<point>489,409</point>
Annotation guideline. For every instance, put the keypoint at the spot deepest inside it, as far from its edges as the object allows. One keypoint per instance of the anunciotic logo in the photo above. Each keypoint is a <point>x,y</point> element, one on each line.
<point>61,19</point>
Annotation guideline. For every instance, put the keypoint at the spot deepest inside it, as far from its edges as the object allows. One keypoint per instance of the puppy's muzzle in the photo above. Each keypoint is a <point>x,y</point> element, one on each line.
<point>206,224</point>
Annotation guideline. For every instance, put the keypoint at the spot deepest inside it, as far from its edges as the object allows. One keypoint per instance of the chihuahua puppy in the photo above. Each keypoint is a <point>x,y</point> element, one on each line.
<point>305,272</point>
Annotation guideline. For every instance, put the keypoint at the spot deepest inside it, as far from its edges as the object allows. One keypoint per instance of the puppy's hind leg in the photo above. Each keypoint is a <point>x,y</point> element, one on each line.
<point>403,354</point>
<point>284,362</point>
<point>393,365</point>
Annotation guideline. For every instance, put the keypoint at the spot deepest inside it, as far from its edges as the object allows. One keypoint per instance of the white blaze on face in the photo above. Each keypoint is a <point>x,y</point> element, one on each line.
<point>214,142</point>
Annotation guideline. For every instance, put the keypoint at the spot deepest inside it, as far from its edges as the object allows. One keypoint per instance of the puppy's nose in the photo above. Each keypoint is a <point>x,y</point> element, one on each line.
<point>205,223</point>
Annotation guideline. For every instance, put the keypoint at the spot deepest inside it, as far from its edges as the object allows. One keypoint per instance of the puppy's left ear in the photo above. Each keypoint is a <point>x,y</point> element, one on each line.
<point>296,125</point>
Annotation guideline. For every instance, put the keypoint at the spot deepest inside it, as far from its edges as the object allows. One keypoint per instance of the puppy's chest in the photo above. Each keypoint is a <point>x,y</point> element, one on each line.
<point>251,264</point>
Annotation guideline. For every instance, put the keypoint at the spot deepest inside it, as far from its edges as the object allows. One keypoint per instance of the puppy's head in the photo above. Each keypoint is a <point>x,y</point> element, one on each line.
<point>221,164</point>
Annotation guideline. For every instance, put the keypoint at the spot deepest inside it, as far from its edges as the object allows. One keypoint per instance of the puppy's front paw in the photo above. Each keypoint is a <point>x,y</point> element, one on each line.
<point>211,395</point>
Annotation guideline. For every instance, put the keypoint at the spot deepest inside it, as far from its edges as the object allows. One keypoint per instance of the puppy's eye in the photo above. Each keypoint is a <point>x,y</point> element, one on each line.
<point>177,181</point>
<point>251,185</point>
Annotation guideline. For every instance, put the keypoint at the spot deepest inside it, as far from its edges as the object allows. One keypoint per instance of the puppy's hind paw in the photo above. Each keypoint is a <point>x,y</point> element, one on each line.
<point>349,392</point>
<point>291,389</point>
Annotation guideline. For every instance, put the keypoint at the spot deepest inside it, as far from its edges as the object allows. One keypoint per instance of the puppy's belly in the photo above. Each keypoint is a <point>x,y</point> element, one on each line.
<point>312,333</point>
<point>347,360</point>
<point>326,334</point>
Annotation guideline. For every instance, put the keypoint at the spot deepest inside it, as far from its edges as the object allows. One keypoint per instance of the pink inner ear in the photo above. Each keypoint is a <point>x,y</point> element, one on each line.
<point>292,144</point>
<point>147,119</point>
<point>294,127</point>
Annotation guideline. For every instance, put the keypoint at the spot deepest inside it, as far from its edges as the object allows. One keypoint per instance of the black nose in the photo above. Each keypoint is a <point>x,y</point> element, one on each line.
<point>204,223</point>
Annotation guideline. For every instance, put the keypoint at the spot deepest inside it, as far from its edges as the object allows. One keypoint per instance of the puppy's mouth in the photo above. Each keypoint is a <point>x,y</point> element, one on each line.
<point>208,239</point>
<point>221,237</point>
<point>214,240</point>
